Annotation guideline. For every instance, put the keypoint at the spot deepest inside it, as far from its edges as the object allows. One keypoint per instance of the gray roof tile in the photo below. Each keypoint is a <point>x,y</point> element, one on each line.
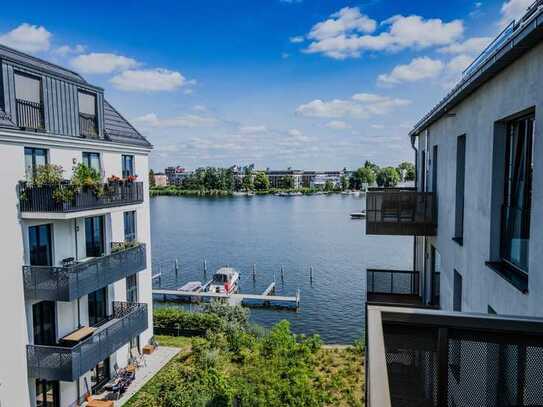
<point>119,130</point>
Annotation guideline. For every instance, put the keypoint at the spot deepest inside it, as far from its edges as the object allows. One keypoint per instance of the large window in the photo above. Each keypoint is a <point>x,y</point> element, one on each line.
<point>128,165</point>
<point>100,375</point>
<point>34,158</point>
<point>460,183</point>
<point>132,288</point>
<point>435,276</point>
<point>47,393</point>
<point>516,209</point>
<point>94,236</point>
<point>92,160</point>
<point>28,101</point>
<point>87,114</point>
<point>130,226</point>
<point>40,245</point>
<point>43,323</point>
<point>457,297</point>
<point>97,301</point>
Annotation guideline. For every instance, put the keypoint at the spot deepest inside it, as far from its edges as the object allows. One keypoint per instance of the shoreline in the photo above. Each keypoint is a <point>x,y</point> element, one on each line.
<point>166,191</point>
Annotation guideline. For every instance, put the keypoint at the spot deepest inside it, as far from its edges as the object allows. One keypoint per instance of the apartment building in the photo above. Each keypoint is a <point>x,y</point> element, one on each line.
<point>281,178</point>
<point>75,293</point>
<point>464,327</point>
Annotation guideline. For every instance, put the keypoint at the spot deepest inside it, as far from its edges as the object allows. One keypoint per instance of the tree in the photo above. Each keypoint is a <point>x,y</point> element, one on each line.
<point>151,178</point>
<point>287,182</point>
<point>247,182</point>
<point>388,177</point>
<point>261,182</point>
<point>344,183</point>
<point>372,166</point>
<point>407,171</point>
<point>329,185</point>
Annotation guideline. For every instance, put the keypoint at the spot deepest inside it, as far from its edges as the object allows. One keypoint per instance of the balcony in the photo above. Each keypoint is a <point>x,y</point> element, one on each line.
<point>87,126</point>
<point>71,282</point>
<point>29,115</point>
<point>69,363</point>
<point>421,357</point>
<point>400,212</point>
<point>34,199</point>
<point>393,287</point>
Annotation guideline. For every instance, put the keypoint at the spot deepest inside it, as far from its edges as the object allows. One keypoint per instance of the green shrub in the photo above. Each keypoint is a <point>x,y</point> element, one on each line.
<point>174,318</point>
<point>49,174</point>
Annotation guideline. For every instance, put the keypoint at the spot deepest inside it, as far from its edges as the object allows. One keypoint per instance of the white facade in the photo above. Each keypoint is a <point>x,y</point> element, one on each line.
<point>16,388</point>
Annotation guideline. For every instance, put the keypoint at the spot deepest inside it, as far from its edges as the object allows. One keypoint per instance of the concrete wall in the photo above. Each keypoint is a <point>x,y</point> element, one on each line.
<point>16,389</point>
<point>514,90</point>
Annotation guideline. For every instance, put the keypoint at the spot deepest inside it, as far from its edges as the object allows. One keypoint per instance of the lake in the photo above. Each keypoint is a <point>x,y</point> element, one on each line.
<point>269,231</point>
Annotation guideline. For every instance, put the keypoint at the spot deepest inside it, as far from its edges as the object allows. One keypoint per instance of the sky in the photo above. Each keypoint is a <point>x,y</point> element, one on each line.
<point>307,84</point>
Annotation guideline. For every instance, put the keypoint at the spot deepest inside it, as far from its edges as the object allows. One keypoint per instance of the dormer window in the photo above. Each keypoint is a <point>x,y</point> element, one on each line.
<point>88,125</point>
<point>29,102</point>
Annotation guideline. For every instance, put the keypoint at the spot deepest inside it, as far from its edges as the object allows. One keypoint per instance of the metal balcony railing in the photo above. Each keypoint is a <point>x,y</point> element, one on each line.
<point>71,282</point>
<point>29,115</point>
<point>88,126</point>
<point>401,212</point>
<point>42,199</point>
<point>393,286</point>
<point>69,363</point>
<point>420,357</point>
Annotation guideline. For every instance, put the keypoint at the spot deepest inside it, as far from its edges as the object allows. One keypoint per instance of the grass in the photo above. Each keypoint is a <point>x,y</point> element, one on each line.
<point>338,371</point>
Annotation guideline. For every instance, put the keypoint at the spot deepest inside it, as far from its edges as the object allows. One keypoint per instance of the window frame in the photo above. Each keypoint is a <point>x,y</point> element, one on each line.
<point>29,174</point>
<point>41,102</point>
<point>460,190</point>
<point>124,173</point>
<point>86,115</point>
<point>92,153</point>
<point>134,233</point>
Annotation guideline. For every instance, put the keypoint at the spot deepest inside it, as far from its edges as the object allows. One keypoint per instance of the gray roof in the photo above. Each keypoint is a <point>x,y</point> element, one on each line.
<point>40,64</point>
<point>526,34</point>
<point>119,130</point>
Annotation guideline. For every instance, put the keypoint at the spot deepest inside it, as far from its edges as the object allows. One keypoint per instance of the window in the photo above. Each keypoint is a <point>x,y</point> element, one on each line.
<point>87,114</point>
<point>43,323</point>
<point>92,160</point>
<point>97,306</point>
<point>130,226</point>
<point>94,236</point>
<point>460,181</point>
<point>457,299</point>
<point>516,209</point>
<point>28,101</point>
<point>128,165</point>
<point>434,169</point>
<point>132,288</point>
<point>100,375</point>
<point>40,245</point>
<point>47,393</point>
<point>435,276</point>
<point>34,158</point>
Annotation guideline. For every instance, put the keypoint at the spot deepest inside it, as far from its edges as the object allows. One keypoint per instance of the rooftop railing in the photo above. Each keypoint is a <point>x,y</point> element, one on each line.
<point>73,281</point>
<point>44,198</point>
<point>401,212</point>
<point>420,357</point>
<point>69,363</point>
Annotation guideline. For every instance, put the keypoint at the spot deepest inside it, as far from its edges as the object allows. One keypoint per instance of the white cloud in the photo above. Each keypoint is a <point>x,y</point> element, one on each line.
<point>152,80</point>
<point>102,63</point>
<point>360,106</point>
<point>337,125</point>
<point>295,133</point>
<point>187,120</point>
<point>253,129</point>
<point>459,63</point>
<point>296,39</point>
<point>27,38</point>
<point>418,69</point>
<point>512,10</point>
<point>472,46</point>
<point>347,34</point>
<point>377,126</point>
<point>65,50</point>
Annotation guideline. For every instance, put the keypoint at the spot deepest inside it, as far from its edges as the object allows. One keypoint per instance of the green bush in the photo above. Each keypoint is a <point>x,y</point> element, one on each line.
<point>49,174</point>
<point>174,318</point>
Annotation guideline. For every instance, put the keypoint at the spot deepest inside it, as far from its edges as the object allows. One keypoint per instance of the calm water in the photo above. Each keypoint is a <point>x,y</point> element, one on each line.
<point>296,232</point>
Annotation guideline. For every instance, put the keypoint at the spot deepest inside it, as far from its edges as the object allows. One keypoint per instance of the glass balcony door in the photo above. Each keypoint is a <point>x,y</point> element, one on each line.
<point>43,323</point>
<point>97,306</point>
<point>40,245</point>
<point>94,236</point>
<point>47,393</point>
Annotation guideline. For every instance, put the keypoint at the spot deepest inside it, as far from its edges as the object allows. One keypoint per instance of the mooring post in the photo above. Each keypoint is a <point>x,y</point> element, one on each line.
<point>176,267</point>
<point>205,267</point>
<point>282,273</point>
<point>254,272</point>
<point>311,273</point>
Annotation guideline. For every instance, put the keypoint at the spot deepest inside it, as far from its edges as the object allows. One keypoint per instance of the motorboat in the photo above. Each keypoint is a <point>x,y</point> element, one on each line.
<point>225,281</point>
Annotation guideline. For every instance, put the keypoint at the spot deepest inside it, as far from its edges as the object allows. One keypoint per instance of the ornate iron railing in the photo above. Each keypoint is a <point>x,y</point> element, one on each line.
<point>69,363</point>
<point>87,125</point>
<point>71,282</point>
<point>29,114</point>
<point>399,212</point>
<point>43,199</point>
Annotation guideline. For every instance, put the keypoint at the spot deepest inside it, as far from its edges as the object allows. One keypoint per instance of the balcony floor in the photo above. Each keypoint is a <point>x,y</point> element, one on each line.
<point>403,299</point>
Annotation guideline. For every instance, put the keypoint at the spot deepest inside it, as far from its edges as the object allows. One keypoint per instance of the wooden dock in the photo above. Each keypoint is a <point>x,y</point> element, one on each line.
<point>249,300</point>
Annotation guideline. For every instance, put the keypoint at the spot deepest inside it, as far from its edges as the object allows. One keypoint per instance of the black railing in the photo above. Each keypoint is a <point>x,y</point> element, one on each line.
<point>393,286</point>
<point>435,358</point>
<point>401,212</point>
<point>29,115</point>
<point>44,198</point>
<point>87,125</point>
<point>71,282</point>
<point>69,363</point>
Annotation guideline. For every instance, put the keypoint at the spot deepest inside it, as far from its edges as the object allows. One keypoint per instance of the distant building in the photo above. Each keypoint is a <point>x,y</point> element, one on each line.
<point>175,175</point>
<point>277,178</point>
<point>161,179</point>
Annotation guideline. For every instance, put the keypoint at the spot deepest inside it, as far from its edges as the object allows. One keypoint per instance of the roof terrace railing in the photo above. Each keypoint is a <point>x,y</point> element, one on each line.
<point>420,357</point>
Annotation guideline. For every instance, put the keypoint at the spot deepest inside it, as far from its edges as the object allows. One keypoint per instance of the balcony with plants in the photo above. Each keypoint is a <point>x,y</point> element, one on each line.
<point>49,191</point>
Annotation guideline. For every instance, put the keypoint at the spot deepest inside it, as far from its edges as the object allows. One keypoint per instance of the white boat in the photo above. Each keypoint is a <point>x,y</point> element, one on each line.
<point>358,215</point>
<point>225,280</point>
<point>195,286</point>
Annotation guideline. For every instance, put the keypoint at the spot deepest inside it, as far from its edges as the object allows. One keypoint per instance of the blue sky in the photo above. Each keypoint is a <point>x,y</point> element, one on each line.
<point>279,83</point>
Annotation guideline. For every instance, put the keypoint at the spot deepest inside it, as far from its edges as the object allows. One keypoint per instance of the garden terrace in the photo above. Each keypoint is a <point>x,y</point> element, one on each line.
<point>45,198</point>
